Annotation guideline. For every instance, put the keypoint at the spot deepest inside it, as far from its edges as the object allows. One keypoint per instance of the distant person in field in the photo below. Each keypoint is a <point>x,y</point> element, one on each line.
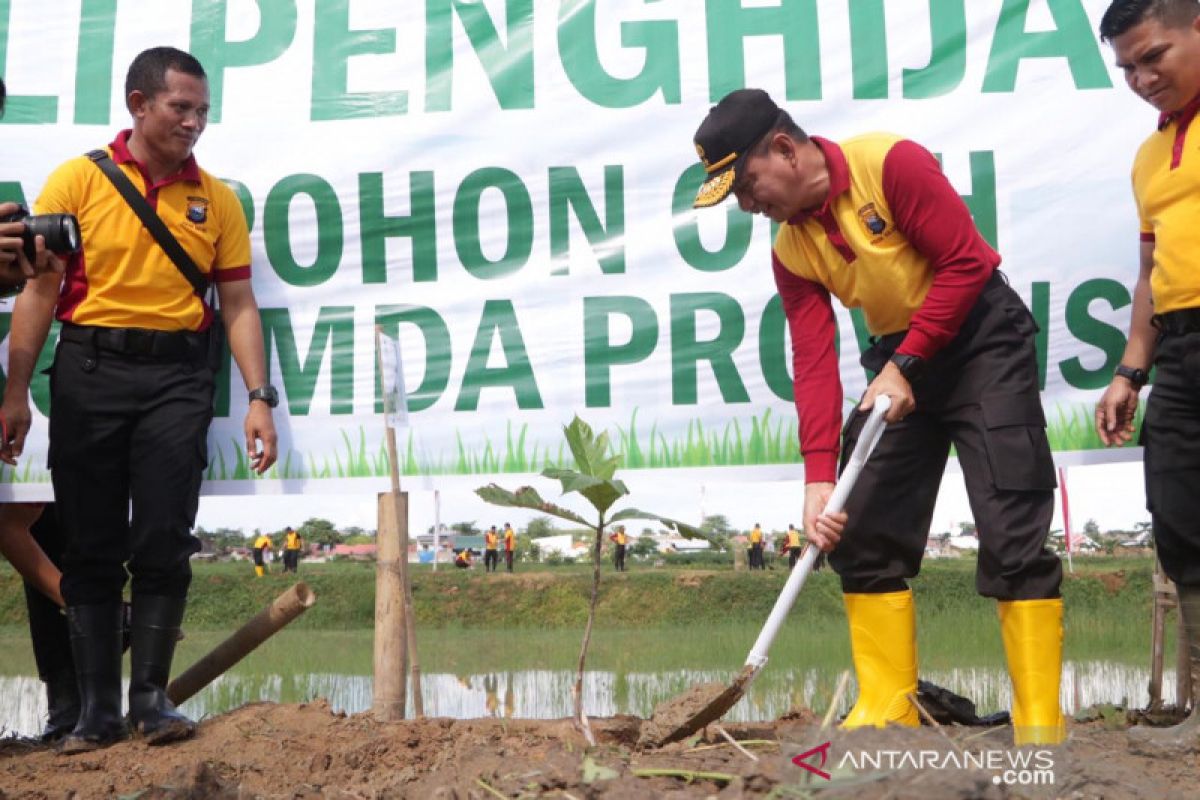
<point>620,540</point>
<point>292,544</point>
<point>510,546</point>
<point>462,559</point>
<point>756,548</point>
<point>491,550</point>
<point>260,547</point>
<point>792,545</point>
<point>873,221</point>
<point>1157,45</point>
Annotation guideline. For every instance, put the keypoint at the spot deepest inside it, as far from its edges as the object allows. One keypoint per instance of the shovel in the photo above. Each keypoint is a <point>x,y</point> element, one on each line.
<point>684,715</point>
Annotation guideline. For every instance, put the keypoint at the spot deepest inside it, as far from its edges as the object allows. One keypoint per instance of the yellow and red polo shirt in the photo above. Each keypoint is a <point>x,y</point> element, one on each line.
<point>1166,188</point>
<point>893,238</point>
<point>122,278</point>
<point>490,540</point>
<point>510,539</point>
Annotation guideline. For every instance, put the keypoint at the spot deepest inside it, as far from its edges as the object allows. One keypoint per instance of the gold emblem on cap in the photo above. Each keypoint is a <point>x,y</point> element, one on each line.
<point>714,190</point>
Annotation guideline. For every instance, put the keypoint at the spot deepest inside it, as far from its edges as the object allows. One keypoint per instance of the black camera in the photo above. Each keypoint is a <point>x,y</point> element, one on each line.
<point>61,231</point>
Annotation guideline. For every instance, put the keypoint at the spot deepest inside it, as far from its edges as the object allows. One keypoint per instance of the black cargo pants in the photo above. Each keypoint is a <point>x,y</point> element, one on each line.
<point>980,393</point>
<point>128,448</point>
<point>1171,436</point>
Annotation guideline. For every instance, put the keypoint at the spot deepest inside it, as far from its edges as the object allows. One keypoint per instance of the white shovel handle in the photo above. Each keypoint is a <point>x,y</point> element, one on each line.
<point>872,430</point>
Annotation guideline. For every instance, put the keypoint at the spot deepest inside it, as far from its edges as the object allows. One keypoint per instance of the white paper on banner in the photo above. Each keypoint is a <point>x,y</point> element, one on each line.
<point>395,400</point>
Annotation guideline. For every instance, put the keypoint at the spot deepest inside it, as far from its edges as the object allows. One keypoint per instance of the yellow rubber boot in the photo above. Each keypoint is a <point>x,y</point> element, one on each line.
<point>1032,632</point>
<point>258,571</point>
<point>883,636</point>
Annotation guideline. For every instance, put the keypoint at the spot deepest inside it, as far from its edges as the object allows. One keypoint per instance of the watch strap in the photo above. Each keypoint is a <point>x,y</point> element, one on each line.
<point>1137,377</point>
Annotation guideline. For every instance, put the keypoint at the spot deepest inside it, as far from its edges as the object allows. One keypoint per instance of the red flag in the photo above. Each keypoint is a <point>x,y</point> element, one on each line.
<point>1062,484</point>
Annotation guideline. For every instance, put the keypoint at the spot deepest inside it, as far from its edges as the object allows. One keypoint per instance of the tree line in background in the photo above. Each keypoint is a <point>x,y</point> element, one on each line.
<point>313,531</point>
<point>716,526</point>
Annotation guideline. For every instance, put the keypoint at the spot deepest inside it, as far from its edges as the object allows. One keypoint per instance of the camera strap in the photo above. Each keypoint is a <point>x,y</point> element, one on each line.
<point>154,224</point>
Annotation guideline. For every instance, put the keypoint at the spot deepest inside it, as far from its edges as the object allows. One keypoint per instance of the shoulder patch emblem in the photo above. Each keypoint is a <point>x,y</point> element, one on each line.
<point>871,219</point>
<point>197,209</point>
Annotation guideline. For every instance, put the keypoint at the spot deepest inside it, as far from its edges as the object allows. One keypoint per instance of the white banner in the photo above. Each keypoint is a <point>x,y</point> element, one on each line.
<point>507,186</point>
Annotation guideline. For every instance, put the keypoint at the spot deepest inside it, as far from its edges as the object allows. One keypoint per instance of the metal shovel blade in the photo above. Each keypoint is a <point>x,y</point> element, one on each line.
<point>702,705</point>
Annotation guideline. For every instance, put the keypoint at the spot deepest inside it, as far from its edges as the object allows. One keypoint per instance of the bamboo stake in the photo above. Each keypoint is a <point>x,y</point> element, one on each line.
<point>285,608</point>
<point>391,644</point>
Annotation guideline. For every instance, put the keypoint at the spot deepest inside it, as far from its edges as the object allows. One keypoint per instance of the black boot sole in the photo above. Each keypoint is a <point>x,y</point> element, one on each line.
<point>175,730</point>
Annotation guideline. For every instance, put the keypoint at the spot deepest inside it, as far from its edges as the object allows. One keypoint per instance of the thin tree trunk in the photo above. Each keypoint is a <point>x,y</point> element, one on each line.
<point>580,718</point>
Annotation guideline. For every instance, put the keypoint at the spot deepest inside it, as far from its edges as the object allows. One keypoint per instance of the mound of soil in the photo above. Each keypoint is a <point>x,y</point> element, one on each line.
<point>306,751</point>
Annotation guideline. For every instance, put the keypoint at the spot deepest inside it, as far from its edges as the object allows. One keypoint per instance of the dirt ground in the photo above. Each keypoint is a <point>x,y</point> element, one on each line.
<point>306,751</point>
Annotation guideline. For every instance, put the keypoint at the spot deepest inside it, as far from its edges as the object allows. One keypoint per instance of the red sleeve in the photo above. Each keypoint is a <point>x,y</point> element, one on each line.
<point>817,385</point>
<point>931,215</point>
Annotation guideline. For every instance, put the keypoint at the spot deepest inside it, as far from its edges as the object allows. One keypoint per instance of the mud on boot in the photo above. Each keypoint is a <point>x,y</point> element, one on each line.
<point>154,629</point>
<point>1185,737</point>
<point>95,632</point>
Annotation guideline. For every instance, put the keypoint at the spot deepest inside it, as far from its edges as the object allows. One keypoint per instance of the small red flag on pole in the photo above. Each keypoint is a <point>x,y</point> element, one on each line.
<point>1066,514</point>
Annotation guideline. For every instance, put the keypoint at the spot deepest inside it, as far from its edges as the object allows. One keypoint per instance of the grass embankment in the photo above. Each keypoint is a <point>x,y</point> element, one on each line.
<point>542,597</point>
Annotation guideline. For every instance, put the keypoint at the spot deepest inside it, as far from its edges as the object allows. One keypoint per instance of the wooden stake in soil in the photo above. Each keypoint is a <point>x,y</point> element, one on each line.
<point>395,631</point>
<point>837,698</point>
<point>391,644</point>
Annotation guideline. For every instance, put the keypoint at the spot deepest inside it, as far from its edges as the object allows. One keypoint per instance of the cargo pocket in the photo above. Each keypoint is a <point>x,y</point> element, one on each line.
<point>1017,448</point>
<point>1021,318</point>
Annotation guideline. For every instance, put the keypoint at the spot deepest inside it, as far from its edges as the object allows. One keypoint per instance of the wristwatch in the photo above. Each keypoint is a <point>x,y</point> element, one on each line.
<point>1137,377</point>
<point>911,367</point>
<point>268,394</point>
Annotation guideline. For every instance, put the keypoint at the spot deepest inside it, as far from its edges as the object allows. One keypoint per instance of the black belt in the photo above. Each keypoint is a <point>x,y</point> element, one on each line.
<point>1185,320</point>
<point>167,345</point>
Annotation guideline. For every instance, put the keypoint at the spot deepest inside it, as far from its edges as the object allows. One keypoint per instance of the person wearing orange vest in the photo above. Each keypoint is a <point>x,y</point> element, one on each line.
<point>873,221</point>
<point>620,539</point>
<point>463,559</point>
<point>491,554</point>
<point>510,546</point>
<point>756,548</point>
<point>1158,47</point>
<point>292,543</point>
<point>791,544</point>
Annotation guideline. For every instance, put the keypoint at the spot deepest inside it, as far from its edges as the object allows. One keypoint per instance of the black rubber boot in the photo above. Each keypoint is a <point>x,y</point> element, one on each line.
<point>96,646</point>
<point>62,703</point>
<point>153,633</point>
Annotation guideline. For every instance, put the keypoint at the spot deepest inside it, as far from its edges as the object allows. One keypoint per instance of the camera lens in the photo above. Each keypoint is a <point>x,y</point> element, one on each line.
<point>61,232</point>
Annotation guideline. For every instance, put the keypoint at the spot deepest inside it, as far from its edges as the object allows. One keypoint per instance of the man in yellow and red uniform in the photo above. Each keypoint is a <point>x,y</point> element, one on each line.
<point>510,546</point>
<point>873,221</point>
<point>491,552</point>
<point>620,540</point>
<point>1157,44</point>
<point>291,550</point>
<point>756,548</point>
<point>792,545</point>
<point>132,390</point>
